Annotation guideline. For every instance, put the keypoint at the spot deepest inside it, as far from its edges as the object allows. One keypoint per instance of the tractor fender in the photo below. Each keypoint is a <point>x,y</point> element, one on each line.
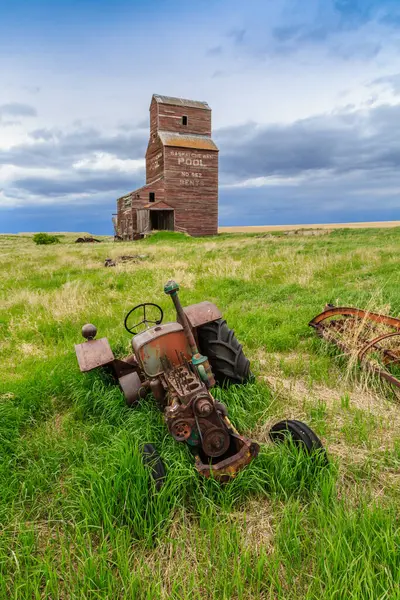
<point>93,353</point>
<point>202,313</point>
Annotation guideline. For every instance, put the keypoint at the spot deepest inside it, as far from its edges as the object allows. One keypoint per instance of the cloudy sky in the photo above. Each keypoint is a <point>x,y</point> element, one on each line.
<point>305,97</point>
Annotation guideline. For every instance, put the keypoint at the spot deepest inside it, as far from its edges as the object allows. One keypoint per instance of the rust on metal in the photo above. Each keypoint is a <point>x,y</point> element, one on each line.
<point>133,388</point>
<point>215,441</point>
<point>124,367</point>
<point>202,313</point>
<point>355,312</point>
<point>228,468</point>
<point>164,341</point>
<point>94,353</point>
<point>166,361</point>
<point>361,333</point>
<point>372,344</point>
<point>203,407</point>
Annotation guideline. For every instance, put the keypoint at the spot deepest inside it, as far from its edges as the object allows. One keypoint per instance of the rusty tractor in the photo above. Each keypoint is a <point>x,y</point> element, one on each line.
<point>179,363</point>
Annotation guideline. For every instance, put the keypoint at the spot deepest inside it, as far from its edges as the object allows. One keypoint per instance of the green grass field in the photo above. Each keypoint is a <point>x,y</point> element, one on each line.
<point>77,516</point>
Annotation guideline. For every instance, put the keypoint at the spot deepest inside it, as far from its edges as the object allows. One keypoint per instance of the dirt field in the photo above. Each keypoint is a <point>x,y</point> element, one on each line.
<point>329,226</point>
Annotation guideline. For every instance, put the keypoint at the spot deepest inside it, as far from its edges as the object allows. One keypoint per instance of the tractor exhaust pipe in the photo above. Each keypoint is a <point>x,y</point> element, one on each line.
<point>171,288</point>
<point>200,362</point>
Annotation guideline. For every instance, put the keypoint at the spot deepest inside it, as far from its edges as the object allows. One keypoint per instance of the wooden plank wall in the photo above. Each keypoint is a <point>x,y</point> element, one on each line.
<point>170,119</point>
<point>127,218</point>
<point>191,187</point>
<point>154,160</point>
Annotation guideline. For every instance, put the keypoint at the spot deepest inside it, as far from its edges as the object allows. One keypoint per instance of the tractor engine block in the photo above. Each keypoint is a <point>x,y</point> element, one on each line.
<point>193,416</point>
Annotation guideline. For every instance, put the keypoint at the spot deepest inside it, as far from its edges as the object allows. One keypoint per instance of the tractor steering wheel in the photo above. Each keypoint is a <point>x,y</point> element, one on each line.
<point>155,311</point>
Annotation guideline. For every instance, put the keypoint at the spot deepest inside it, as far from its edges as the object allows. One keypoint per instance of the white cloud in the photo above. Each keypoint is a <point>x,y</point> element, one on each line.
<point>269,181</point>
<point>103,161</point>
<point>9,173</point>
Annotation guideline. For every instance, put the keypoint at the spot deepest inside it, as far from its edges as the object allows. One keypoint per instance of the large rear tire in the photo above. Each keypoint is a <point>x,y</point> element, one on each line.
<point>227,359</point>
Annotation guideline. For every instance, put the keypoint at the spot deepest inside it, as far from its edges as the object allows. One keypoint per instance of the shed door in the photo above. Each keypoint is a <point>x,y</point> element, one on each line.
<point>143,220</point>
<point>162,220</point>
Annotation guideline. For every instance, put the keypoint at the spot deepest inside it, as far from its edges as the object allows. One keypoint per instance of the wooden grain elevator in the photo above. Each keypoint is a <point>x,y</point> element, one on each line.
<point>181,190</point>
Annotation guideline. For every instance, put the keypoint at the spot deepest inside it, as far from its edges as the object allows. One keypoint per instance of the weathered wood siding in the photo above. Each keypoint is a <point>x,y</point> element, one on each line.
<point>167,117</point>
<point>153,119</point>
<point>198,119</point>
<point>191,187</point>
<point>154,160</point>
<point>143,220</point>
<point>128,205</point>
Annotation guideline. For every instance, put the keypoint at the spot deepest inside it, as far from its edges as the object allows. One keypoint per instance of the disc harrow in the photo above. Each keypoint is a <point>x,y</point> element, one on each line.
<point>371,338</point>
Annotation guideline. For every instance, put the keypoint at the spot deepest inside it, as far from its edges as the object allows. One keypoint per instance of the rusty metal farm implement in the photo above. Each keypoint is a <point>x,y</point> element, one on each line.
<point>179,363</point>
<point>371,338</point>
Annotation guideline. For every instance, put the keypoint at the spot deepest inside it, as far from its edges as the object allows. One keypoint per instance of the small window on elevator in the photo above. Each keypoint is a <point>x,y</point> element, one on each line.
<point>152,196</point>
<point>184,120</point>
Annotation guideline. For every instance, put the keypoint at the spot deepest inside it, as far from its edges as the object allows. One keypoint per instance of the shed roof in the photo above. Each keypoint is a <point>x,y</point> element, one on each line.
<point>199,142</point>
<point>160,205</point>
<point>180,102</point>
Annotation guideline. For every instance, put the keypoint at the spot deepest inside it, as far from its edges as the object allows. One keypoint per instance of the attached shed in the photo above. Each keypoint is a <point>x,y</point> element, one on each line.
<point>157,216</point>
<point>181,190</point>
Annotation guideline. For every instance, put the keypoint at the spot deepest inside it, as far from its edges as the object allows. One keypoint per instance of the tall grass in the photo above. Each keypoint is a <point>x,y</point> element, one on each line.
<point>79,514</point>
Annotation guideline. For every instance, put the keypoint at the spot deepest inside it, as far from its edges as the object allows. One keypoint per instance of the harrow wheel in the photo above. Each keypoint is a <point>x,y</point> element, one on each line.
<point>299,433</point>
<point>152,459</point>
<point>225,354</point>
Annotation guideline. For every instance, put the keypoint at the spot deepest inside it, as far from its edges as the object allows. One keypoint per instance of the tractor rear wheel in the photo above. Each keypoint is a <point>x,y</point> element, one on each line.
<point>228,362</point>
